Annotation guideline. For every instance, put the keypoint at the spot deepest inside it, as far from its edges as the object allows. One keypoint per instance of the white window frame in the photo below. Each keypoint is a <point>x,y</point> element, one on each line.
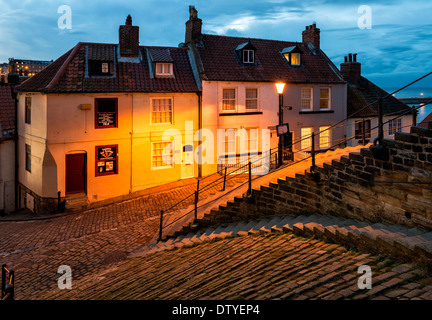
<point>235,100</point>
<point>152,110</point>
<point>166,166</point>
<point>324,135</point>
<point>167,69</point>
<point>395,128</point>
<point>295,59</point>
<point>328,99</point>
<point>306,144</point>
<point>252,99</point>
<point>248,56</point>
<point>249,131</point>
<point>310,99</point>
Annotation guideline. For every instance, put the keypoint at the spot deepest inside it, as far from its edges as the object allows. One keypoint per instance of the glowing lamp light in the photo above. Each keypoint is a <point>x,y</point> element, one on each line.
<point>280,87</point>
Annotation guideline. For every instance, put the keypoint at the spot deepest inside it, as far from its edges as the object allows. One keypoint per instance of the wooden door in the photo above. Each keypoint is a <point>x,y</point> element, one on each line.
<point>76,173</point>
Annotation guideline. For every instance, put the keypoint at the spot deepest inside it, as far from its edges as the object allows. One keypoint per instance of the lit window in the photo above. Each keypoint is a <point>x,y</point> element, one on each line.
<point>248,56</point>
<point>228,99</point>
<point>359,129</point>
<point>162,154</point>
<point>306,98</point>
<point>324,137</point>
<point>229,142</point>
<point>106,160</point>
<point>252,140</point>
<point>295,59</point>
<point>28,158</point>
<point>162,110</point>
<point>324,98</point>
<point>28,110</point>
<point>106,113</point>
<point>395,125</point>
<point>164,69</point>
<point>306,140</point>
<point>252,99</point>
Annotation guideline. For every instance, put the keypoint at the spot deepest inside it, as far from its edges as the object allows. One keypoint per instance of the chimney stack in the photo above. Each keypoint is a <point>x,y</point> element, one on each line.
<point>312,34</point>
<point>351,69</point>
<point>129,39</point>
<point>193,25</point>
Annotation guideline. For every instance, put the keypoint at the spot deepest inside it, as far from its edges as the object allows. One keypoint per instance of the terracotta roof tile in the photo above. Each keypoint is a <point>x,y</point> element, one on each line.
<point>128,76</point>
<point>363,101</point>
<point>7,108</point>
<point>221,64</point>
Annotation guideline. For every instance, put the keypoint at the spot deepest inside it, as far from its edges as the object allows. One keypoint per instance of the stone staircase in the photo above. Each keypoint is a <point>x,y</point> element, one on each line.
<point>408,244</point>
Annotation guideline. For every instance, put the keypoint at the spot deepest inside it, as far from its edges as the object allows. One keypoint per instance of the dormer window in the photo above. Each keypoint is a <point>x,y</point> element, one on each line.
<point>295,59</point>
<point>245,53</point>
<point>292,55</point>
<point>164,69</point>
<point>248,56</point>
<point>100,68</point>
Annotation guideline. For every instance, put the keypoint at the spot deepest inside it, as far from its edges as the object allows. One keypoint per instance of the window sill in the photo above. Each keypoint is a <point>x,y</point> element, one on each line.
<point>239,113</point>
<point>314,112</point>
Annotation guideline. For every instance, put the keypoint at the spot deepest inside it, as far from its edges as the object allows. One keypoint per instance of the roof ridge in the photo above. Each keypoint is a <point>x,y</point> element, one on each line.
<point>251,38</point>
<point>64,66</point>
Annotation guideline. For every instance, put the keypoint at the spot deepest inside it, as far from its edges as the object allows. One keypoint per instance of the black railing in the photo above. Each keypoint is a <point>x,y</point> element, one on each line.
<point>289,155</point>
<point>7,283</point>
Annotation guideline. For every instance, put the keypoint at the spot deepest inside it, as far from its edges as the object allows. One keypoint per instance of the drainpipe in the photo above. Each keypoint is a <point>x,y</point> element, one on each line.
<point>131,143</point>
<point>15,97</point>
<point>199,94</point>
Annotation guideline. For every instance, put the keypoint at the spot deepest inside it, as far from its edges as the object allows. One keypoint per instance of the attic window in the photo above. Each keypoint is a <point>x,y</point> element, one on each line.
<point>164,69</point>
<point>248,56</point>
<point>292,55</point>
<point>245,53</point>
<point>100,68</point>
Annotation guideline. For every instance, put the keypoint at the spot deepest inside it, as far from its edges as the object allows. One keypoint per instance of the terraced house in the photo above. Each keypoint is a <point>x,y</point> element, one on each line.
<point>91,123</point>
<point>238,77</point>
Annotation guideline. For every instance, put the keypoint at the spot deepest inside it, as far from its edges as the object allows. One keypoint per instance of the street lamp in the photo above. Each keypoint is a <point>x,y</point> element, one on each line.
<point>280,88</point>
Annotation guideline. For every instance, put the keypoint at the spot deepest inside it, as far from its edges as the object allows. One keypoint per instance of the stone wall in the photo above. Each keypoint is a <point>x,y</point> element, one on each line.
<point>390,182</point>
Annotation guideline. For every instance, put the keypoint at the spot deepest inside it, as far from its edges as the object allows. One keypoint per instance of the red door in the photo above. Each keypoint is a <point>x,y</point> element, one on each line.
<point>75,173</point>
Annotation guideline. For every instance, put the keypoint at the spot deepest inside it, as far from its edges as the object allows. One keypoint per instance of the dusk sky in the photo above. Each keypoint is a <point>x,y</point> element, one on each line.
<point>394,51</point>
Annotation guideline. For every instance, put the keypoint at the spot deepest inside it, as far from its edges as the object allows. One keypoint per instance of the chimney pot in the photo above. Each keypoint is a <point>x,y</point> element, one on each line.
<point>128,20</point>
<point>346,59</point>
<point>355,57</point>
<point>349,57</point>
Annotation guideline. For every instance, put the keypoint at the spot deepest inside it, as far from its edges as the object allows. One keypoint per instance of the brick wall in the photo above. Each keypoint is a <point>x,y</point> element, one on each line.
<point>376,184</point>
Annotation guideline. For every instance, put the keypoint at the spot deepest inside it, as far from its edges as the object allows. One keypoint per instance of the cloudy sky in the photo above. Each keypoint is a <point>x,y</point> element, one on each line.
<point>394,48</point>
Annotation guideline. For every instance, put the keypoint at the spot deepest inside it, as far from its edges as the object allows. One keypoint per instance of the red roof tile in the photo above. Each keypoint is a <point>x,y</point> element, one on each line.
<point>221,64</point>
<point>363,101</point>
<point>425,122</point>
<point>7,108</point>
<point>68,73</point>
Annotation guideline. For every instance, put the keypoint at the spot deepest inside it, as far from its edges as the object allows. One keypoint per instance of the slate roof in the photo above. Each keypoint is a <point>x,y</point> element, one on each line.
<point>425,122</point>
<point>68,73</point>
<point>362,101</point>
<point>220,63</point>
<point>7,109</point>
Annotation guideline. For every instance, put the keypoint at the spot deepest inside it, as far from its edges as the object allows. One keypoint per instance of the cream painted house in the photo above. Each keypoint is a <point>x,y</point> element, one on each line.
<point>238,77</point>
<point>7,149</point>
<point>105,120</point>
<point>362,107</point>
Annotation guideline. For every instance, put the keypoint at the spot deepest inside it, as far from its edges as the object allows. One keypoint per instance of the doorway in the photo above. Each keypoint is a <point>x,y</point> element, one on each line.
<point>76,173</point>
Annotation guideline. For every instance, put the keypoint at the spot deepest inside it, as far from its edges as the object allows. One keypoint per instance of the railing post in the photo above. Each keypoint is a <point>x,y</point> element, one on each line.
<point>3,280</point>
<point>160,226</point>
<point>312,168</point>
<point>196,205</point>
<point>364,132</point>
<point>414,116</point>
<point>380,123</point>
<point>223,189</point>
<point>249,192</point>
